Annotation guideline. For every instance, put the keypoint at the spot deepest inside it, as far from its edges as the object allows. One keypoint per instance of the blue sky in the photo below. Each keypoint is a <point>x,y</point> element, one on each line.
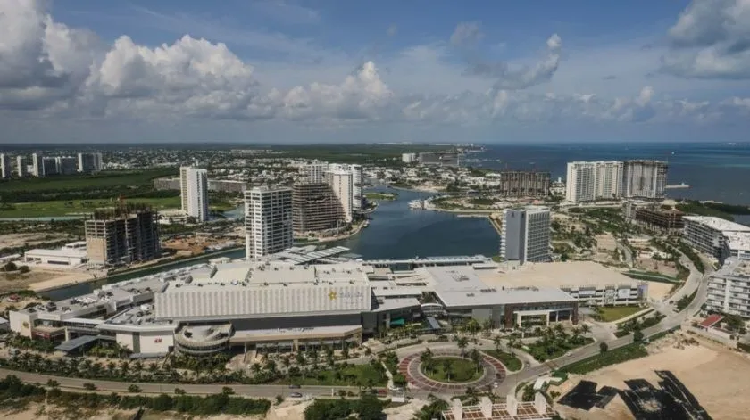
<point>333,71</point>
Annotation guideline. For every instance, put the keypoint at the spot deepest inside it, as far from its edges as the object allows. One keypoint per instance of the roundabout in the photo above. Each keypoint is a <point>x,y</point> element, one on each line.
<point>412,368</point>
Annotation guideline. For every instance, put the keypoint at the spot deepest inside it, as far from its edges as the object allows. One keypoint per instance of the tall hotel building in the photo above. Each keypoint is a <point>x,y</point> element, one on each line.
<point>526,235</point>
<point>342,183</point>
<point>268,221</point>
<point>644,179</point>
<point>194,192</point>
<point>591,181</point>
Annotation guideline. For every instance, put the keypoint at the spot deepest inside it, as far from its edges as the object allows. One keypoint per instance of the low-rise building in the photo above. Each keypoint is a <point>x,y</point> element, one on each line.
<point>663,220</point>
<point>511,409</point>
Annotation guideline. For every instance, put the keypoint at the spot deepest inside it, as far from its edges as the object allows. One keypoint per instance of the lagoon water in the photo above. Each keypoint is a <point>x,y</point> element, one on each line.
<point>714,172</point>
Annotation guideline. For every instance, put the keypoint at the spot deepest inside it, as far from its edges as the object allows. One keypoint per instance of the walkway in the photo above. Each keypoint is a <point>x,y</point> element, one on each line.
<point>411,368</point>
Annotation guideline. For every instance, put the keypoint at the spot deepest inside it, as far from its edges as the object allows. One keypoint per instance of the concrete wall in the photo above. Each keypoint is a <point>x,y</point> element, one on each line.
<point>125,340</point>
<point>20,323</point>
<point>158,342</point>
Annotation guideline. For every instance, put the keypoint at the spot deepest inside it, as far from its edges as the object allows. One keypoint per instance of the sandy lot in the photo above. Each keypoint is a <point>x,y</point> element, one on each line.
<point>658,291</point>
<point>718,377</point>
<point>605,243</point>
<point>39,279</point>
<point>16,240</point>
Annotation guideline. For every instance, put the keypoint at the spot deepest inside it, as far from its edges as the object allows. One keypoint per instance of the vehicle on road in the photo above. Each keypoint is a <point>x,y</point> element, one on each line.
<point>294,386</point>
<point>295,395</point>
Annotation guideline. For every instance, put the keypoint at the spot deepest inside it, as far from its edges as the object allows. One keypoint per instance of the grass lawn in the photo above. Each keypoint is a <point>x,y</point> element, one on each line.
<point>85,182</point>
<point>83,207</point>
<point>609,314</point>
<point>352,375</point>
<point>608,358</point>
<point>78,207</point>
<point>452,369</point>
<point>509,360</point>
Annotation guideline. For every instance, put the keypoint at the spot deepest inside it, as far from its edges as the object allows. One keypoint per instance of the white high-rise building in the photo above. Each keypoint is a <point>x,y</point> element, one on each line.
<point>194,192</point>
<point>37,165</point>
<point>526,235</point>
<point>268,221</point>
<point>644,178</point>
<point>356,171</point>
<point>314,172</point>
<point>6,170</point>
<point>409,157</point>
<point>22,169</point>
<point>90,162</point>
<point>342,183</point>
<point>591,181</point>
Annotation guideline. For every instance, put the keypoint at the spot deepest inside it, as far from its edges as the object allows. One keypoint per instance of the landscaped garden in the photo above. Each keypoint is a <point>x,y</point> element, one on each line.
<point>555,342</point>
<point>452,369</point>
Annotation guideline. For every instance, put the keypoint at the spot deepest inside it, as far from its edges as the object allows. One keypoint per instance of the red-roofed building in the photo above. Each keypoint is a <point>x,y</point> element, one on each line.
<point>711,321</point>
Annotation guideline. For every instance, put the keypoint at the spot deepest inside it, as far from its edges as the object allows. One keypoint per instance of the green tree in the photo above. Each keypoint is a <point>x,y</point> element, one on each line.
<point>603,347</point>
<point>134,388</point>
<point>637,336</point>
<point>24,269</point>
<point>10,266</point>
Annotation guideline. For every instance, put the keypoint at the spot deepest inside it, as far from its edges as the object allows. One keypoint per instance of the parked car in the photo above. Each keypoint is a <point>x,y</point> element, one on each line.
<point>295,395</point>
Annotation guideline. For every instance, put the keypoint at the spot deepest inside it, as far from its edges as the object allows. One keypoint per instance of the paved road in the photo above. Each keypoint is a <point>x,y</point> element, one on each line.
<point>626,252</point>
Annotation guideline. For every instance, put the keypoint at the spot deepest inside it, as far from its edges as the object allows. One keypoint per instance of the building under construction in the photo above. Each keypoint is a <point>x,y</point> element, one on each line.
<point>316,208</point>
<point>665,220</point>
<point>523,183</point>
<point>122,235</point>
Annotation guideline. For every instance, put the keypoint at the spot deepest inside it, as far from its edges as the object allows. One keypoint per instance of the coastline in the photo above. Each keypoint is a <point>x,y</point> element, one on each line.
<point>60,283</point>
<point>417,190</point>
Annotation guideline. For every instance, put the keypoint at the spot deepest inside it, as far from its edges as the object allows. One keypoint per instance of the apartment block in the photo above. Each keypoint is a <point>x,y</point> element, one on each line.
<point>194,192</point>
<point>591,181</point>
<point>644,179</point>
<point>268,221</point>
<point>729,288</point>
<point>90,162</point>
<point>124,235</point>
<point>6,170</point>
<point>22,168</point>
<point>523,183</point>
<point>342,183</point>
<point>526,235</point>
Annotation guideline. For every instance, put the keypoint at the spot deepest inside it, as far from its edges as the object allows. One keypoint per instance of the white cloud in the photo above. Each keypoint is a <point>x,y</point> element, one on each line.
<point>520,77</point>
<point>711,39</point>
<point>70,73</point>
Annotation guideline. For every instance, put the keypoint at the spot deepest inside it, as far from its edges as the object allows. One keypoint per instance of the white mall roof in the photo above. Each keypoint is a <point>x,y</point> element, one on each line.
<point>460,287</point>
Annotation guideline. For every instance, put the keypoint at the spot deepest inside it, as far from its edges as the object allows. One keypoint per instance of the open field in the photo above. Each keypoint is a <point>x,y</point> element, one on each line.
<point>84,182</point>
<point>78,207</point>
<point>609,314</point>
<point>715,375</point>
<point>30,239</point>
<point>39,279</point>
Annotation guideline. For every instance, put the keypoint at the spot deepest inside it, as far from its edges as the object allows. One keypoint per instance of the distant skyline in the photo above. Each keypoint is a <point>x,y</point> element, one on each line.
<point>286,71</point>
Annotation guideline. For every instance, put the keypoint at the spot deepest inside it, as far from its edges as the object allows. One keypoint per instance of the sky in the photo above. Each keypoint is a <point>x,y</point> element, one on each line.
<point>296,71</point>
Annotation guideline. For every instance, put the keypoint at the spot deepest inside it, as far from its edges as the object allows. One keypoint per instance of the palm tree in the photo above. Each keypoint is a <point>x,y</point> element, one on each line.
<point>299,358</point>
<point>426,359</point>
<point>255,368</point>
<point>476,358</point>
<point>497,340</point>
<point>585,328</point>
<point>462,342</point>
<point>559,329</point>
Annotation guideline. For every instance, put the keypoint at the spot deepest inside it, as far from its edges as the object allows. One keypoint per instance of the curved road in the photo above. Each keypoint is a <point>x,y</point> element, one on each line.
<point>671,320</point>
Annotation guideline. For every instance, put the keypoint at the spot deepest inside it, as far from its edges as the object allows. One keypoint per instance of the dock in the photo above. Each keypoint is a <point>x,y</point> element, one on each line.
<point>677,186</point>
